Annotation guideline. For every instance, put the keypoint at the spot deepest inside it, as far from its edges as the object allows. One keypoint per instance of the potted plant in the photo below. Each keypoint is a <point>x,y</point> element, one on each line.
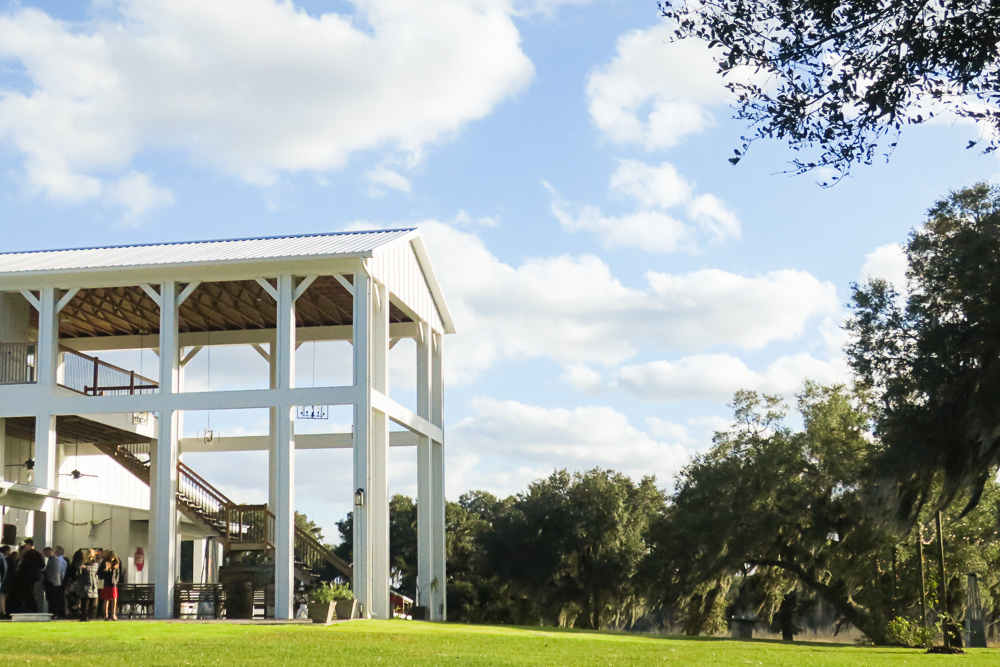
<point>330,601</point>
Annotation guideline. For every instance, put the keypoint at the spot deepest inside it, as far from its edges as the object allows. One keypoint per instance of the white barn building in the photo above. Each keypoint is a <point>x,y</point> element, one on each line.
<point>63,409</point>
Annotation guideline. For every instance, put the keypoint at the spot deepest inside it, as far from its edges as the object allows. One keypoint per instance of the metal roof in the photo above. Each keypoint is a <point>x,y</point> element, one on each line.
<point>154,254</point>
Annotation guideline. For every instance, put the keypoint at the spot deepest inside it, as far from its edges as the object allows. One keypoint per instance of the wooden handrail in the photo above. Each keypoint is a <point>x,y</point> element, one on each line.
<point>311,544</point>
<point>136,382</point>
<point>200,482</point>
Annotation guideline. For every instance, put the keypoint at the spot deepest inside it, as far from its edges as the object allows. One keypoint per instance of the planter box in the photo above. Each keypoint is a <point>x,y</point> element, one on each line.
<point>322,612</point>
<point>347,609</point>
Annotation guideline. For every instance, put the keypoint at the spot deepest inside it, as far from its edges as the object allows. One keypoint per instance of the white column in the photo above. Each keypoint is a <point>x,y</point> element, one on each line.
<point>48,339</point>
<point>379,457</point>
<point>439,546</point>
<point>425,521</point>
<point>284,509</point>
<point>362,316</point>
<point>272,461</point>
<point>46,359</point>
<point>163,472</point>
<point>3,448</point>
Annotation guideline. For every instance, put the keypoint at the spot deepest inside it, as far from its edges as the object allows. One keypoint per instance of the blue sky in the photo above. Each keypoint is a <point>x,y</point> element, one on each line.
<point>613,277</point>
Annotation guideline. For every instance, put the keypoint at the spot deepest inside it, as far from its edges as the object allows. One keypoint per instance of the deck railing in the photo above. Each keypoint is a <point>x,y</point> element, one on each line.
<point>249,528</point>
<point>93,377</point>
<point>17,363</point>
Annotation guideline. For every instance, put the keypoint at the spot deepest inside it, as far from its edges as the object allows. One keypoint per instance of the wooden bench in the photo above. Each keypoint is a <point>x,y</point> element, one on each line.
<point>135,601</point>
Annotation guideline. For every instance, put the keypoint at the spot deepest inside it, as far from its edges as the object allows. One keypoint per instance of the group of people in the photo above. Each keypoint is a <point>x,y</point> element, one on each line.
<point>74,589</point>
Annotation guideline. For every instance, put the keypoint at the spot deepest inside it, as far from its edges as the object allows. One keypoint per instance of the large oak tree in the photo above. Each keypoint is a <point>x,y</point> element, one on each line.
<point>838,79</point>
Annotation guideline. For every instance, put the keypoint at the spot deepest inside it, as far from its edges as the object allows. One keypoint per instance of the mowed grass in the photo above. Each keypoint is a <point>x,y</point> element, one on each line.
<point>403,643</point>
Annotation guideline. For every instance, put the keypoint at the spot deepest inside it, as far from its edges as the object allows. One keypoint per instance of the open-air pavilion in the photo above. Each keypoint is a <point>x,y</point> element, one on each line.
<point>61,309</point>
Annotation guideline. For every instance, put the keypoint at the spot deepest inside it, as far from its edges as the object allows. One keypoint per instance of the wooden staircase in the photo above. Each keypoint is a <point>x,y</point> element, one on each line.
<point>242,528</point>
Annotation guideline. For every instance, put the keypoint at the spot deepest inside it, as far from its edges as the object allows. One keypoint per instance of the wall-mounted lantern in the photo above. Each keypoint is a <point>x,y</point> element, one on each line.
<point>359,498</point>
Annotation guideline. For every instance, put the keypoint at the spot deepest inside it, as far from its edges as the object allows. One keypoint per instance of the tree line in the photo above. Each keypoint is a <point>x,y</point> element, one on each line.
<point>822,509</point>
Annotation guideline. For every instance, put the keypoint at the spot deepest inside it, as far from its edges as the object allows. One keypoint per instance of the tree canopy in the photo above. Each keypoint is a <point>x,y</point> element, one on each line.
<point>786,509</point>
<point>931,353</point>
<point>839,79</point>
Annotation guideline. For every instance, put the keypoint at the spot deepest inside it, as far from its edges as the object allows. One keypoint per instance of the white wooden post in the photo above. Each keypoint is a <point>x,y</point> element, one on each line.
<point>272,462</point>
<point>362,415</point>
<point>379,458</point>
<point>425,517</point>
<point>284,510</point>
<point>439,612</point>
<point>163,469</point>
<point>3,448</point>
<point>46,358</point>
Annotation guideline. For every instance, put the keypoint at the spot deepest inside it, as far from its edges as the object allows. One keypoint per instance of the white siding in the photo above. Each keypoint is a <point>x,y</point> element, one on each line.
<point>397,268</point>
<point>114,485</point>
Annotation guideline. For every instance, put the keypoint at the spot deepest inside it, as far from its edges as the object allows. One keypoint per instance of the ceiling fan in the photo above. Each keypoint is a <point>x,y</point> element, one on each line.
<point>28,465</point>
<point>76,474</point>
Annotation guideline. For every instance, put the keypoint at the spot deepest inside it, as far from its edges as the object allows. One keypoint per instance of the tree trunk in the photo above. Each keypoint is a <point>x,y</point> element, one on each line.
<point>856,616</point>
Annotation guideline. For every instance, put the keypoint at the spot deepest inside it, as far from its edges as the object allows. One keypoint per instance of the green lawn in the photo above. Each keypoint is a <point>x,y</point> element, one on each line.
<point>388,643</point>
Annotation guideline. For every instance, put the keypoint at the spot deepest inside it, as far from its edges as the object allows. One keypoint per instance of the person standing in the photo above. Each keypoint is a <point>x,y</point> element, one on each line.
<point>111,573</point>
<point>53,582</point>
<point>71,585</point>
<point>5,579</point>
<point>87,584</point>
<point>63,566</point>
<point>32,569</point>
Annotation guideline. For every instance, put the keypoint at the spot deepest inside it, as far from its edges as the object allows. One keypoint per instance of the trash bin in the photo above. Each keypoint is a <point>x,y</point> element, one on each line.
<point>239,599</point>
<point>742,628</point>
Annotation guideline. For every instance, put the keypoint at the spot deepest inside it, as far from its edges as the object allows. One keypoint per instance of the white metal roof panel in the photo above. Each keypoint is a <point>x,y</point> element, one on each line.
<point>312,245</point>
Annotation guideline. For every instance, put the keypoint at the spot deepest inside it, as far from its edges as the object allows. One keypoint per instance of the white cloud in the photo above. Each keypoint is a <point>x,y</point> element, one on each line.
<point>667,429</point>
<point>655,189</point>
<point>888,262</point>
<point>510,443</point>
<point>714,217</point>
<point>652,231</point>
<point>582,378</point>
<point>382,176</point>
<point>136,193</point>
<point>249,87</point>
<point>574,310</point>
<point>654,92</point>
<point>715,377</point>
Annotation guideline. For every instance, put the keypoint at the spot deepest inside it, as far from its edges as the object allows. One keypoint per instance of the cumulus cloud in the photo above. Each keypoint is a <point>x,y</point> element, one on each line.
<point>582,378</point>
<point>655,190</point>
<point>654,92</point>
<point>887,262</point>
<point>381,178</point>
<point>715,377</point>
<point>249,87</point>
<point>508,444</point>
<point>137,194</point>
<point>653,187</point>
<point>575,311</point>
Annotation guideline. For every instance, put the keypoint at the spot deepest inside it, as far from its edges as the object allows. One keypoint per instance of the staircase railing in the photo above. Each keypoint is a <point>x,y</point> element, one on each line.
<point>93,377</point>
<point>312,553</point>
<point>17,363</point>
<point>243,527</point>
<point>208,501</point>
